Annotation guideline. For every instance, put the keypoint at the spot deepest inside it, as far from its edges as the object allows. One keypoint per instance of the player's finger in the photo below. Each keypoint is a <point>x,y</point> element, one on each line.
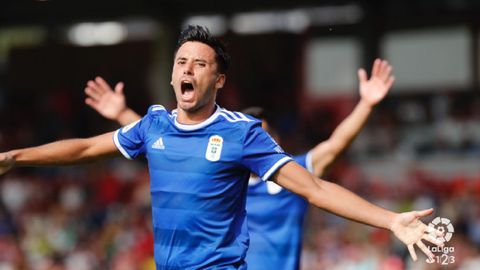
<point>95,87</point>
<point>389,82</point>
<point>91,102</point>
<point>376,66</point>
<point>119,88</point>
<point>423,213</point>
<point>424,248</point>
<point>385,72</point>
<point>92,93</point>
<point>383,65</point>
<point>103,84</point>
<point>433,240</point>
<point>6,163</point>
<point>411,250</point>
<point>362,75</point>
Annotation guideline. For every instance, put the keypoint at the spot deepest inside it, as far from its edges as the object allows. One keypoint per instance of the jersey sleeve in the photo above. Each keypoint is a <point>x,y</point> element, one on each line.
<point>130,139</point>
<point>305,160</point>
<point>261,154</point>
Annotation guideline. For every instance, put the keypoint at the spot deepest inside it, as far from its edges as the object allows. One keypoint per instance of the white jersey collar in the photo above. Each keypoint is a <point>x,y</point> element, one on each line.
<point>208,121</point>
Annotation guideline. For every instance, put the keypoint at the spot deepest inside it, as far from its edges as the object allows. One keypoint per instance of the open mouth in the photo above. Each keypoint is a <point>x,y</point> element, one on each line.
<point>187,90</point>
<point>186,86</point>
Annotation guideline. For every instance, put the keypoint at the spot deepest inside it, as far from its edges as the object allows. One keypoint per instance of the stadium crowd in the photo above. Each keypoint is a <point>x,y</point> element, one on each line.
<point>98,216</point>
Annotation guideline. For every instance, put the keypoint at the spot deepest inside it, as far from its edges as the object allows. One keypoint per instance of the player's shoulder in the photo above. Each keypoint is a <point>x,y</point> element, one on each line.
<point>158,111</point>
<point>234,118</point>
<point>238,124</point>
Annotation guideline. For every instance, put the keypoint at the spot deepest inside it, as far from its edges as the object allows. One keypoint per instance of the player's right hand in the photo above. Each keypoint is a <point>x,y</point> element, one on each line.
<point>106,101</point>
<point>6,162</point>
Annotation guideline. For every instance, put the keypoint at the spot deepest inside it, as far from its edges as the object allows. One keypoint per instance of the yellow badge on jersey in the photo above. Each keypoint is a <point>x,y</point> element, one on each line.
<point>214,148</point>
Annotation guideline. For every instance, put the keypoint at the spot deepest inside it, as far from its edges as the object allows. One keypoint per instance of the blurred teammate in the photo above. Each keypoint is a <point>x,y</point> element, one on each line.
<point>200,157</point>
<point>275,215</point>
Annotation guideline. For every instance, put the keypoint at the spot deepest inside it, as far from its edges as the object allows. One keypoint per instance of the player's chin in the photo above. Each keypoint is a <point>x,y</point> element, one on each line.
<point>188,106</point>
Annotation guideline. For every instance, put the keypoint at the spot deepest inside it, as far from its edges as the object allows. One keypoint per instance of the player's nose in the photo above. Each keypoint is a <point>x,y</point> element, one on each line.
<point>188,68</point>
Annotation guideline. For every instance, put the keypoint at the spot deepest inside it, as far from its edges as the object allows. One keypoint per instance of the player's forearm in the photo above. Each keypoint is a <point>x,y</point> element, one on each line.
<point>57,153</point>
<point>64,152</point>
<point>127,116</point>
<point>326,152</point>
<point>331,197</point>
<point>342,202</point>
<point>351,126</point>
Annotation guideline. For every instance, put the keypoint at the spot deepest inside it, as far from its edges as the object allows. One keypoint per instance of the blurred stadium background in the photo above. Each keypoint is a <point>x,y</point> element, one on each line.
<point>298,59</point>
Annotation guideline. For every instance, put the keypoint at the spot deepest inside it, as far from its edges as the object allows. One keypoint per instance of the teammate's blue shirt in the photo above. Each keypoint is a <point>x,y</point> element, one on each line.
<point>198,181</point>
<point>275,220</point>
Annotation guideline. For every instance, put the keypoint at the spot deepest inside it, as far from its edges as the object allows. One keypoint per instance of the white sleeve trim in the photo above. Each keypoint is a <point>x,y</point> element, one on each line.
<point>309,162</point>
<point>275,167</point>
<point>119,146</point>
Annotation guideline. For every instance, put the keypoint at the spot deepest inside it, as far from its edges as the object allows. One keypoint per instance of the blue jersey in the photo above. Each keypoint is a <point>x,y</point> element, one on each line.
<point>198,183</point>
<point>275,220</point>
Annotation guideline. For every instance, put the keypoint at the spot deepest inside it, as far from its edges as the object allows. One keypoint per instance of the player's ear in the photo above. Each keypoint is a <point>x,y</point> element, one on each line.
<point>220,81</point>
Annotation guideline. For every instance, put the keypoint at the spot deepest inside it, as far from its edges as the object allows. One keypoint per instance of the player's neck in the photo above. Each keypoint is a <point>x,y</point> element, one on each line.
<point>196,117</point>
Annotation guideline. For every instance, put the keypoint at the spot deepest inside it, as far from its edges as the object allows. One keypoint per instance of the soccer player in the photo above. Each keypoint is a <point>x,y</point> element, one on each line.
<point>275,215</point>
<point>200,157</point>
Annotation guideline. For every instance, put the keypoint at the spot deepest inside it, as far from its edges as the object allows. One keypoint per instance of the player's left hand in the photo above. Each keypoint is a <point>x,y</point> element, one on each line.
<point>411,231</point>
<point>373,90</point>
<point>6,162</point>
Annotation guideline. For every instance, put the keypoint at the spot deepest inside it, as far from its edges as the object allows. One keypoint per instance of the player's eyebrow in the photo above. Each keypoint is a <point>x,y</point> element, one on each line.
<point>200,60</point>
<point>197,60</point>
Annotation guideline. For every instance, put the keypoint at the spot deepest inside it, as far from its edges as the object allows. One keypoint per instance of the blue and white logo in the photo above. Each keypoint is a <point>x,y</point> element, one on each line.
<point>158,144</point>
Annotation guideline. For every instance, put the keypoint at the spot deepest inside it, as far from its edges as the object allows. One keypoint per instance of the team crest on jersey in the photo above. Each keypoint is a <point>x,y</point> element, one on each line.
<point>214,148</point>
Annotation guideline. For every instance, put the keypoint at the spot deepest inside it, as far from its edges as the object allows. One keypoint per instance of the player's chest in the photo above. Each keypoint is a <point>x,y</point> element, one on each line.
<point>198,147</point>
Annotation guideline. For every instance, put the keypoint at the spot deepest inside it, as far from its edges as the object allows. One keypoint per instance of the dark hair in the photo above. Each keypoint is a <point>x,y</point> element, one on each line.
<point>202,34</point>
<point>262,114</point>
<point>257,112</point>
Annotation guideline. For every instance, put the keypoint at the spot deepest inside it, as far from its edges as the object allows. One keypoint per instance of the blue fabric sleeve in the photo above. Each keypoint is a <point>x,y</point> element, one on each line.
<point>130,139</point>
<point>261,154</point>
<point>305,160</point>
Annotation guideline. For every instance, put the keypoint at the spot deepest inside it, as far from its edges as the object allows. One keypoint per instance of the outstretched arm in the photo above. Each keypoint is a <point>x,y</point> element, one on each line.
<point>331,197</point>
<point>63,152</point>
<point>109,103</point>
<point>372,91</point>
